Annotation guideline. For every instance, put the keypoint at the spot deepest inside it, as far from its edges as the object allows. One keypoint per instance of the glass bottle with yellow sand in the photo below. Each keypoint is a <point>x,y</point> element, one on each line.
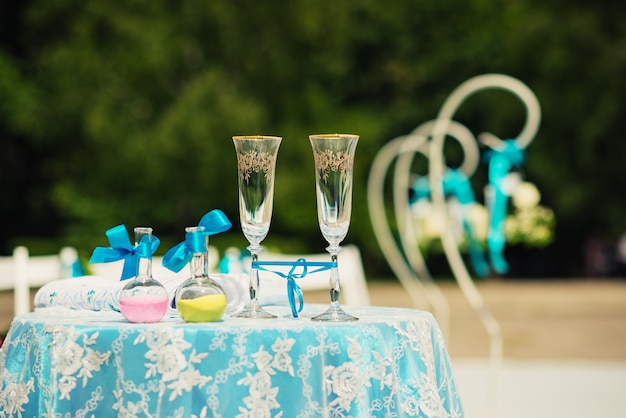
<point>199,298</point>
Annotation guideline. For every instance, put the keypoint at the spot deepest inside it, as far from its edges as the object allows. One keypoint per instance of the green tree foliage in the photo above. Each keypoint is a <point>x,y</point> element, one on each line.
<point>122,112</point>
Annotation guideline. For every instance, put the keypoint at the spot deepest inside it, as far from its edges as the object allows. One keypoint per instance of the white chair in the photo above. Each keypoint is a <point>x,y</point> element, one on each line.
<point>22,272</point>
<point>351,274</point>
<point>436,172</point>
<point>405,260</point>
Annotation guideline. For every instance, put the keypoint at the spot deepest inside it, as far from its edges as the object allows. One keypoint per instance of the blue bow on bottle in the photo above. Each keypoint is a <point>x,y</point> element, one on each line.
<point>214,222</point>
<point>500,163</point>
<point>122,249</point>
<point>179,255</point>
<point>293,290</point>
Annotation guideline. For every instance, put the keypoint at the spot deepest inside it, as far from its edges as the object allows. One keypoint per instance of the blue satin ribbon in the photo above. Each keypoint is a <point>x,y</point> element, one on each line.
<point>456,184</point>
<point>293,290</point>
<point>179,255</point>
<point>420,189</point>
<point>500,163</point>
<point>213,222</point>
<point>122,249</point>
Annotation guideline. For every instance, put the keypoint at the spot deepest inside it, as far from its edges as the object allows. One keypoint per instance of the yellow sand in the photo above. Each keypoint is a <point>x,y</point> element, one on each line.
<point>207,308</point>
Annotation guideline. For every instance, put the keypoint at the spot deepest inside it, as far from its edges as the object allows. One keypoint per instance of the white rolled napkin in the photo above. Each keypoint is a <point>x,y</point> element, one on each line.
<point>91,293</point>
<point>95,293</point>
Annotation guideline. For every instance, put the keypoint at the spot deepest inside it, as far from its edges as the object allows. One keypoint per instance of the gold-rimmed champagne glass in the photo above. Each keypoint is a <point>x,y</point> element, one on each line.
<point>256,163</point>
<point>334,160</point>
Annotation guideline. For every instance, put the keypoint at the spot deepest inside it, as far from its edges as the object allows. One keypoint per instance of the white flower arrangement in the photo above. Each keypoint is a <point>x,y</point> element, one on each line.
<point>529,223</point>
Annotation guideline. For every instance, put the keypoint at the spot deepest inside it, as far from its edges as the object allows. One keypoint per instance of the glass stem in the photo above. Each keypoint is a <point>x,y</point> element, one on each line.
<point>254,282</point>
<point>334,282</point>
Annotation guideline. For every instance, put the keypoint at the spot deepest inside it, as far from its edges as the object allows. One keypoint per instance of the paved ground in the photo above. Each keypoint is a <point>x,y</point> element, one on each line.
<point>565,320</point>
<point>582,319</point>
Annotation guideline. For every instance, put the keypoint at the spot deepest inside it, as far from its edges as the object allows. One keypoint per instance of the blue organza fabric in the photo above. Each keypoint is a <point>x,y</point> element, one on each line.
<point>58,362</point>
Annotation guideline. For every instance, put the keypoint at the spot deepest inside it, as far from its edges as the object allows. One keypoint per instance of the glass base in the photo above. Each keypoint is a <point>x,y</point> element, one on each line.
<point>252,311</point>
<point>334,314</point>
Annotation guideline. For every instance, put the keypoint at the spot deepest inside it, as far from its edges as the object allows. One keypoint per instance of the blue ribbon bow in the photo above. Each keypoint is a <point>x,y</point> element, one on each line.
<point>420,189</point>
<point>122,249</point>
<point>500,163</point>
<point>179,255</point>
<point>214,222</point>
<point>293,290</point>
<point>456,184</point>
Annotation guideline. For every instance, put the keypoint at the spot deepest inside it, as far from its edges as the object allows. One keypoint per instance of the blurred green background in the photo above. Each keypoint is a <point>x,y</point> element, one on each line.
<point>123,112</point>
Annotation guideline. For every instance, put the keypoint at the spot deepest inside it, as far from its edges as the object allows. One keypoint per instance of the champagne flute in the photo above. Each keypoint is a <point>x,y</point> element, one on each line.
<point>256,162</point>
<point>334,160</point>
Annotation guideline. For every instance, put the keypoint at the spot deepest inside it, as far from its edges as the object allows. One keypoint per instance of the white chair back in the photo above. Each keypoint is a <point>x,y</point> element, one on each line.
<point>21,272</point>
<point>351,273</point>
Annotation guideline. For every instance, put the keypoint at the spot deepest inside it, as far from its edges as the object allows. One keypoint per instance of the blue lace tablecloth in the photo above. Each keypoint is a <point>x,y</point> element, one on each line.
<point>391,363</point>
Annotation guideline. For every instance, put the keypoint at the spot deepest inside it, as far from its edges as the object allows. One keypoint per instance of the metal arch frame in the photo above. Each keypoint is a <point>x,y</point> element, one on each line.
<point>403,167</point>
<point>407,261</point>
<point>436,167</point>
<point>408,277</point>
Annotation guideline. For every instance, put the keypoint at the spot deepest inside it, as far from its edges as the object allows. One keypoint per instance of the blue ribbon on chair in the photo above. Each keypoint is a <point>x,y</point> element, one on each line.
<point>420,189</point>
<point>122,249</point>
<point>293,290</point>
<point>213,222</point>
<point>500,163</point>
<point>456,184</point>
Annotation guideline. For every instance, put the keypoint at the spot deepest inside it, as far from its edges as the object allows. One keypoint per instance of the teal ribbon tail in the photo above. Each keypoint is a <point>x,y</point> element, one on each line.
<point>420,189</point>
<point>293,290</point>
<point>498,262</point>
<point>458,185</point>
<point>495,237</point>
<point>215,222</point>
<point>77,269</point>
<point>122,249</point>
<point>176,257</point>
<point>477,257</point>
<point>500,163</point>
<point>179,255</point>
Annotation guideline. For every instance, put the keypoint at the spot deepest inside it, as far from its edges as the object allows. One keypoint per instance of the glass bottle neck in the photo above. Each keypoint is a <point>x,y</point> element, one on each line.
<point>199,265</point>
<point>144,268</point>
<point>144,265</point>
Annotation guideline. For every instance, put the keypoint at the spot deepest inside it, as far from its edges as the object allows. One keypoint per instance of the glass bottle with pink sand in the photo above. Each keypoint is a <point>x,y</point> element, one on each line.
<point>143,299</point>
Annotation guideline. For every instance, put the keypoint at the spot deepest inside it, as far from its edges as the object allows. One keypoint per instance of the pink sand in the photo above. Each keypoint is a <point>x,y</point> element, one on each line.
<point>144,308</point>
